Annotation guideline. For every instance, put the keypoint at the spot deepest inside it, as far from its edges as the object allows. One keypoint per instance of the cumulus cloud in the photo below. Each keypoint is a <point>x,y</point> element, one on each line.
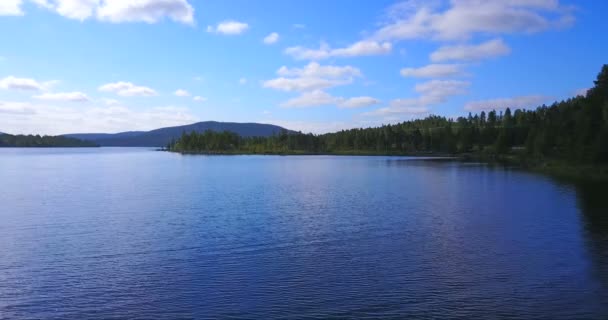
<point>271,38</point>
<point>303,84</point>
<point>127,89</point>
<point>74,9</point>
<point>150,11</point>
<point>401,107</point>
<point>520,102</point>
<point>181,93</point>
<point>45,118</point>
<point>15,108</point>
<point>242,81</point>
<point>310,99</point>
<point>358,102</point>
<point>314,69</point>
<point>461,19</point>
<point>437,91</point>
<point>490,49</point>
<point>110,102</point>
<point>15,83</point>
<point>10,8</point>
<point>229,28</point>
<point>321,98</point>
<point>312,77</point>
<point>357,49</point>
<point>199,99</point>
<point>117,11</point>
<point>433,71</point>
<point>64,96</point>
<point>430,93</point>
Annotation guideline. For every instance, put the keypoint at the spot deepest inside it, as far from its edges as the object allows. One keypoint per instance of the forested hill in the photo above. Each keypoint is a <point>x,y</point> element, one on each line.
<point>161,137</point>
<point>22,141</point>
<point>574,130</point>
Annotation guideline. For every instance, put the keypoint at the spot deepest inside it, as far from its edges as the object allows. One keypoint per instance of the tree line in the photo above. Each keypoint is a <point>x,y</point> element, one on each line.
<point>574,130</point>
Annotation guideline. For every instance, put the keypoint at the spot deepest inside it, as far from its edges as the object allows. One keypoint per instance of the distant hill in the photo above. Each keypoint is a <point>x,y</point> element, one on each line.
<point>161,137</point>
<point>102,136</point>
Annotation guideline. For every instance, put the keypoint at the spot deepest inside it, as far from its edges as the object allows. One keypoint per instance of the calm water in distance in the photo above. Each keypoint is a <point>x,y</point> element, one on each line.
<point>117,233</point>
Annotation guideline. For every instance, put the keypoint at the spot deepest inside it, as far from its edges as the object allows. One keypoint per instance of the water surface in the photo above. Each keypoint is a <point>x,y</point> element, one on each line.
<point>132,233</point>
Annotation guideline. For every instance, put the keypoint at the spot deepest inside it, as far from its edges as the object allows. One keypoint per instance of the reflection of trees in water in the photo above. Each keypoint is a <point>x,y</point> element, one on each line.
<point>593,202</point>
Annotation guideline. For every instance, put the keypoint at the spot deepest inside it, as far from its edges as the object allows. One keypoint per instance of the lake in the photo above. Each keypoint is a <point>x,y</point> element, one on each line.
<point>113,233</point>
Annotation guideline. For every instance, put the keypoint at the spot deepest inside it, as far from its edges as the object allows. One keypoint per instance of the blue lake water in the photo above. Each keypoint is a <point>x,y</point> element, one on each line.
<point>115,233</point>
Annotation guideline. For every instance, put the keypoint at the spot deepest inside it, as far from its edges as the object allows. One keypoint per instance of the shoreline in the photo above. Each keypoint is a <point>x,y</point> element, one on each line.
<point>553,168</point>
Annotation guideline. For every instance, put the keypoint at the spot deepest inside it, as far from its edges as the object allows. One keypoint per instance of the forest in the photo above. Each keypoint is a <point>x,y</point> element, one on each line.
<point>573,131</point>
<point>27,141</point>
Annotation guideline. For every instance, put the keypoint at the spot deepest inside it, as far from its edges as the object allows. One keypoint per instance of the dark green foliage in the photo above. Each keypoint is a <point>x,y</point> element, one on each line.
<point>574,130</point>
<point>22,141</point>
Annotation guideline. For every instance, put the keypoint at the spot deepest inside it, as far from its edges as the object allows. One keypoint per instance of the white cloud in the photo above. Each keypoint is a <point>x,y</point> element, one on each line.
<point>358,102</point>
<point>433,71</point>
<point>321,98</point>
<point>229,28</point>
<point>43,3</point>
<point>242,81</point>
<point>312,77</point>
<point>149,11</point>
<point>110,102</point>
<point>489,49</point>
<point>74,9</point>
<point>311,99</point>
<point>303,84</point>
<point>127,89</point>
<point>314,69</point>
<point>181,93</point>
<point>461,19</point>
<point>64,96</point>
<point>199,99</point>
<point>361,48</point>
<point>400,107</point>
<point>15,108</point>
<point>44,118</point>
<point>117,11</point>
<point>520,102</point>
<point>271,38</point>
<point>430,93</point>
<point>436,91</point>
<point>14,83</point>
<point>10,8</point>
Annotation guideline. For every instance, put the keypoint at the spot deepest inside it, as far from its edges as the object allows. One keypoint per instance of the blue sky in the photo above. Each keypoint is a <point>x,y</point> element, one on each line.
<point>316,66</point>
